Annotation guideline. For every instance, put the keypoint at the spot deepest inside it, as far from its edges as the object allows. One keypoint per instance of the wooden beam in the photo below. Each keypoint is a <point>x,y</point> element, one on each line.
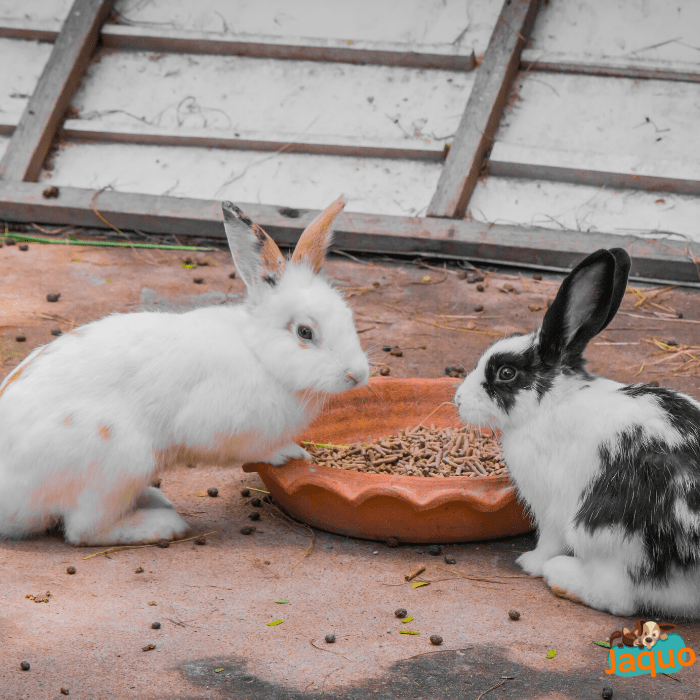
<point>164,40</point>
<point>515,245</point>
<point>28,33</point>
<point>494,79</point>
<point>593,178</point>
<point>530,62</point>
<point>81,130</point>
<point>69,58</point>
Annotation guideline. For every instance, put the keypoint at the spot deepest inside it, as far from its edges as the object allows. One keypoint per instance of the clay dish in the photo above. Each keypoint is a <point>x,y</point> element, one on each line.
<point>379,506</point>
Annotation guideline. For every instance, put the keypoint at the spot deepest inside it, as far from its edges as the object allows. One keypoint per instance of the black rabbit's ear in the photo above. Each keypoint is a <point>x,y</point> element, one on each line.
<point>622,273</point>
<point>580,310</point>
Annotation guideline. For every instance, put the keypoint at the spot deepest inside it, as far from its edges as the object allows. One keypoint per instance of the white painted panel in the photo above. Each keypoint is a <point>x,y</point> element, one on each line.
<point>653,33</point>
<point>34,14</point>
<point>4,140</point>
<point>558,205</point>
<point>22,64</point>
<point>441,26</point>
<point>371,185</point>
<point>302,101</point>
<point>644,127</point>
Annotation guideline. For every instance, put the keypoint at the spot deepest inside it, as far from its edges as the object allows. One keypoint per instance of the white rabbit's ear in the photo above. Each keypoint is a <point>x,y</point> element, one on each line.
<point>256,256</point>
<point>585,303</point>
<point>313,243</point>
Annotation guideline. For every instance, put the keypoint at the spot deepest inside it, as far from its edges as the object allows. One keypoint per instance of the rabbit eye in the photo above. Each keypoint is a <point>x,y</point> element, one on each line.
<point>305,332</point>
<point>506,374</point>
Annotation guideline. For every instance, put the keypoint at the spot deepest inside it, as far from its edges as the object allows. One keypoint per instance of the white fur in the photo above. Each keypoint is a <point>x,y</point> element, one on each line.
<point>551,448</point>
<point>94,414</point>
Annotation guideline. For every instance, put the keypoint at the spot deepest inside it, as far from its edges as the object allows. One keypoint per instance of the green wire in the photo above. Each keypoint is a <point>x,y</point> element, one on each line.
<point>36,239</point>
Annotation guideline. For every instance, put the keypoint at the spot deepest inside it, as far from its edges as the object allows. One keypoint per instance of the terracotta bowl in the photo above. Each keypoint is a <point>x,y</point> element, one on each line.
<point>378,506</point>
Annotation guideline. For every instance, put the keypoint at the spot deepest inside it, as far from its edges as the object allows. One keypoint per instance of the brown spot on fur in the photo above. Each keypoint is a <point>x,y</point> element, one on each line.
<point>304,346</point>
<point>67,420</point>
<point>105,432</point>
<point>312,245</point>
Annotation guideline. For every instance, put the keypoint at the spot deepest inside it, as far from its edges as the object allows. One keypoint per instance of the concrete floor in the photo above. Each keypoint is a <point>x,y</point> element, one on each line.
<point>214,601</point>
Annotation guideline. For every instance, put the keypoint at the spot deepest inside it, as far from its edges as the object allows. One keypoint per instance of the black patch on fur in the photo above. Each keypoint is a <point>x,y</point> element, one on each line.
<point>640,483</point>
<point>531,374</point>
<point>237,212</point>
<point>290,213</point>
<point>270,279</point>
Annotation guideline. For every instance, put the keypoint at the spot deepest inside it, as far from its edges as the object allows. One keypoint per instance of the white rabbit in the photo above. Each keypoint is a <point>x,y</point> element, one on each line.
<point>86,420</point>
<point>611,473</point>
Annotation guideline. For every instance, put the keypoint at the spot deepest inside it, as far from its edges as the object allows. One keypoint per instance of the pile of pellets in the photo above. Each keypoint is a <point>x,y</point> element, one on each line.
<point>420,451</point>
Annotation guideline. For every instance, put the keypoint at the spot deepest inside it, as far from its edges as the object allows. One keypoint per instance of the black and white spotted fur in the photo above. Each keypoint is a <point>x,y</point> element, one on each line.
<point>611,473</point>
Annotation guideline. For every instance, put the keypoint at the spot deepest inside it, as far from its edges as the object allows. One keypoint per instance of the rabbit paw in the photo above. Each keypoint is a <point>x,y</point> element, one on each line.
<point>533,562</point>
<point>142,526</point>
<point>565,576</point>
<point>290,451</point>
<point>152,498</point>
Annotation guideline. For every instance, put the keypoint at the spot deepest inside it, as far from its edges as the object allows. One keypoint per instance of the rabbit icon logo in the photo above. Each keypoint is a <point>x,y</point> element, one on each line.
<point>648,648</point>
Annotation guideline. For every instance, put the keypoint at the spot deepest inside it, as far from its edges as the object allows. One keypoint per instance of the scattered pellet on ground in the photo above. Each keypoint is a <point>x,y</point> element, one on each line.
<point>201,540</point>
<point>247,529</point>
<point>65,691</point>
<point>607,692</point>
<point>435,550</point>
<point>23,246</point>
<point>56,332</point>
<point>422,451</point>
<point>198,280</point>
<point>25,665</point>
<point>392,542</point>
<point>163,544</point>
<point>156,482</point>
<point>50,192</point>
<point>10,241</point>
<point>330,638</point>
<point>513,614</point>
<point>401,613</point>
<point>70,570</point>
<point>385,371</point>
<point>245,493</point>
<point>155,625</point>
<point>213,492</point>
<point>148,647</point>
<point>53,297</point>
<point>254,515</point>
<point>449,559</point>
<point>436,639</point>
<point>256,503</point>
<point>139,570</point>
<point>21,338</point>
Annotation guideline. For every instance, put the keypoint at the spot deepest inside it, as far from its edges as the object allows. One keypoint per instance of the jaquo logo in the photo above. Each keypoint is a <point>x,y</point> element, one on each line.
<point>648,648</point>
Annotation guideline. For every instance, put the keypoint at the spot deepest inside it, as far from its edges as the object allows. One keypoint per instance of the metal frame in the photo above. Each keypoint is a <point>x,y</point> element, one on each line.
<point>442,232</point>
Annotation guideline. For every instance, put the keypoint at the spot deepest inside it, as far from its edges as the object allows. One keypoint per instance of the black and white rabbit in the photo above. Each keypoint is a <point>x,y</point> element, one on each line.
<point>88,418</point>
<point>611,473</point>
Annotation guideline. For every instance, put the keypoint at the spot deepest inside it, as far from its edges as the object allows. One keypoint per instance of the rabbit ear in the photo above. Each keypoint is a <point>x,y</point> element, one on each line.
<point>582,307</point>
<point>313,243</point>
<point>257,257</point>
<point>622,273</point>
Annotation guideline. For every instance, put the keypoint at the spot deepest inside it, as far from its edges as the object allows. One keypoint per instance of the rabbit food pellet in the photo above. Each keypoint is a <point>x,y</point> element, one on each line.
<point>330,638</point>
<point>420,452</point>
<point>401,613</point>
<point>436,639</point>
<point>25,665</point>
